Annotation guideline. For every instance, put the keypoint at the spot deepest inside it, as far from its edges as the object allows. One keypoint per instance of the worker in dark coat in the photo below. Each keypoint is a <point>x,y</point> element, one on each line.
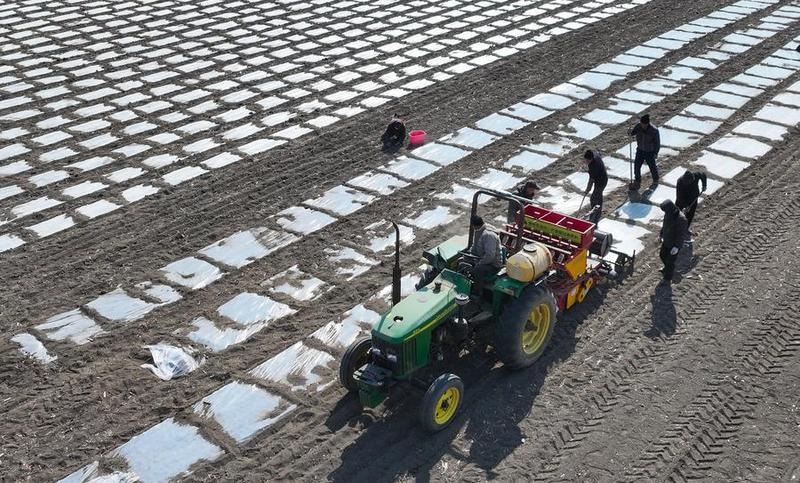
<point>648,143</point>
<point>527,191</point>
<point>395,134</point>
<point>598,178</point>
<point>674,232</point>
<point>687,191</point>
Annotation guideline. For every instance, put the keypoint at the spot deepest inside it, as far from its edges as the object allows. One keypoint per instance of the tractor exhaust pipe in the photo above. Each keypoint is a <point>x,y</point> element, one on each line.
<point>396,273</point>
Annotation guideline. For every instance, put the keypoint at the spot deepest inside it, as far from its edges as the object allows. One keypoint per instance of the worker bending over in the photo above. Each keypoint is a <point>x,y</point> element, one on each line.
<point>527,191</point>
<point>687,191</point>
<point>598,178</point>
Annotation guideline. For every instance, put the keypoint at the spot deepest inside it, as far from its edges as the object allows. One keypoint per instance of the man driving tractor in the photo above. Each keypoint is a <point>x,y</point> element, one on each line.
<point>486,246</point>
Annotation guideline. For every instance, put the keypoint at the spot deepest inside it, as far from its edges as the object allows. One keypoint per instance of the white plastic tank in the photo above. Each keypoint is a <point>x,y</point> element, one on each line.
<point>529,263</point>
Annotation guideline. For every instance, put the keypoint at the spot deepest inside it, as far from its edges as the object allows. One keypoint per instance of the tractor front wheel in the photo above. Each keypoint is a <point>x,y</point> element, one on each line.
<point>354,358</point>
<point>441,402</point>
<point>525,328</point>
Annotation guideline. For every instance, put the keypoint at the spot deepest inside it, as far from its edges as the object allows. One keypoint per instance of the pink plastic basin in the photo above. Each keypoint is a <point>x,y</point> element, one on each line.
<point>416,137</point>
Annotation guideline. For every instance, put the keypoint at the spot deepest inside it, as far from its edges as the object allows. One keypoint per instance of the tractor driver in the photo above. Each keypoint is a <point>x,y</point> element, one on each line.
<point>486,246</point>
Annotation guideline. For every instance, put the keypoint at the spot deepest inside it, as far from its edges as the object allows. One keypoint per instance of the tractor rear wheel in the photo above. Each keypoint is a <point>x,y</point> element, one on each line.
<point>525,328</point>
<point>441,402</point>
<point>354,358</point>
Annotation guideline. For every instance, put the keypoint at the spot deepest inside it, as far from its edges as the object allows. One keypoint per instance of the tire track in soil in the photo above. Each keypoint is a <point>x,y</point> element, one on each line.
<point>603,392</point>
<point>745,248</point>
<point>602,401</point>
<point>698,435</point>
<point>765,448</point>
<point>99,257</point>
<point>128,331</point>
<point>751,20</point>
<point>717,357</point>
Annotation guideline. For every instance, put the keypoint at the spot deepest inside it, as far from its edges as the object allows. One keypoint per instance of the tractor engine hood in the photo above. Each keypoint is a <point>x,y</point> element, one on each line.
<point>422,310</point>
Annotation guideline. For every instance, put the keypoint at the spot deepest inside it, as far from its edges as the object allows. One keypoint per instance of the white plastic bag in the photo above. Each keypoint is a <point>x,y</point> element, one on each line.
<point>170,361</point>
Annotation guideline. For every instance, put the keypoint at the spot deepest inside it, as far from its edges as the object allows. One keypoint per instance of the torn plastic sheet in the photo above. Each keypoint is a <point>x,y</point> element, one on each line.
<point>170,362</point>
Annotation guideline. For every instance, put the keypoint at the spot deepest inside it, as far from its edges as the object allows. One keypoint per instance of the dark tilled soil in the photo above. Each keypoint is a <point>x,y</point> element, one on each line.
<point>697,380</point>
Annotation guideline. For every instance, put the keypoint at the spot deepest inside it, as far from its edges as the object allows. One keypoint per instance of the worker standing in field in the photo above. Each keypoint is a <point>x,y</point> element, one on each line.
<point>687,191</point>
<point>674,231</point>
<point>485,246</point>
<point>598,179</point>
<point>527,191</point>
<point>648,143</point>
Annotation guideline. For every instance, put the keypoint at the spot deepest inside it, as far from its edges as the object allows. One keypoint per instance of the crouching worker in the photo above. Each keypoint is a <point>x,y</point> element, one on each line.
<point>395,134</point>
<point>674,230</point>
<point>486,246</point>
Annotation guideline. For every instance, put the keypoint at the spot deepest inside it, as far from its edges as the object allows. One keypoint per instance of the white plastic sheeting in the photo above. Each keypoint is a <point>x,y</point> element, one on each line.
<point>379,237</point>
<point>249,308</point>
<point>441,154</point>
<point>303,220</point>
<point>432,218</point>
<point>170,362</point>
<point>627,238</point>
<point>381,183</point>
<point>495,179</point>
<point>243,410</point>
<point>300,367</point>
<point>245,247</point>
<point>72,326</point>
<point>296,284</point>
<point>218,339</point>
<point>644,213</point>
<point>31,347</point>
<point>471,138</point>
<point>338,335</point>
<point>341,200</point>
<point>348,262</point>
<point>719,165</point>
<point>192,273</point>
<point>166,451</point>
<point>528,161</point>
<point>500,124</point>
<point>120,307</point>
<point>741,146</point>
<point>410,169</point>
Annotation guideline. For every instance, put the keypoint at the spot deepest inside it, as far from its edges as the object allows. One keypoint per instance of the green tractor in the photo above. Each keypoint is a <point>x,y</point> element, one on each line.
<point>552,261</point>
<point>441,317</point>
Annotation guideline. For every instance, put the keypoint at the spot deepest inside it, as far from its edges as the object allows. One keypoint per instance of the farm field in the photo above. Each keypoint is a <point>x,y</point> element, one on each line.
<point>209,175</point>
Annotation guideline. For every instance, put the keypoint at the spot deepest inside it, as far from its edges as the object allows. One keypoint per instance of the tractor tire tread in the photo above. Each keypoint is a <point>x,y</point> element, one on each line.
<point>427,409</point>
<point>508,331</point>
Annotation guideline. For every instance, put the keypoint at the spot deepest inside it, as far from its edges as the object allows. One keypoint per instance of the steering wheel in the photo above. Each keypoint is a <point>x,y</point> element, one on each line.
<point>467,263</point>
<point>468,255</point>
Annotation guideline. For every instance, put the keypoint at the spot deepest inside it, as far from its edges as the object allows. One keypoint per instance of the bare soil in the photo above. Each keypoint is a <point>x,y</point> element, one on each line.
<point>644,380</point>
